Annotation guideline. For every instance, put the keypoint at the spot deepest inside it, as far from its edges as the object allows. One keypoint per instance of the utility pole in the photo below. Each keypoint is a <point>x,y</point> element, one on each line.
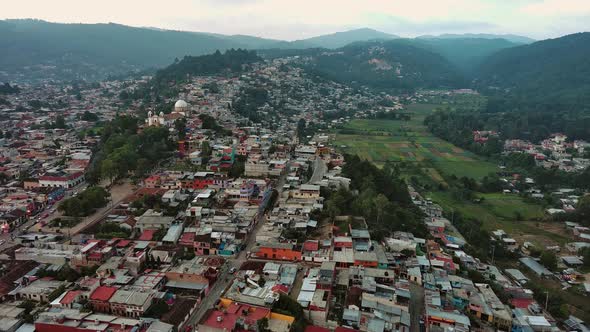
<point>546,299</point>
<point>493,252</point>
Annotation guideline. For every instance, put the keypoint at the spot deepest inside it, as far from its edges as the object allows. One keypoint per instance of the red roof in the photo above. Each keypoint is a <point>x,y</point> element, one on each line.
<point>147,235</point>
<point>311,245</point>
<point>62,178</point>
<point>233,312</point>
<point>70,297</point>
<point>344,329</point>
<point>313,328</point>
<point>187,238</point>
<point>281,288</point>
<point>123,243</point>
<point>103,293</point>
<point>521,303</point>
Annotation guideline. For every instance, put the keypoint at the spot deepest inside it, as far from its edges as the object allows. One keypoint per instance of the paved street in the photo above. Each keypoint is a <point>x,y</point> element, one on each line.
<point>225,278</point>
<point>416,306</point>
<point>319,169</point>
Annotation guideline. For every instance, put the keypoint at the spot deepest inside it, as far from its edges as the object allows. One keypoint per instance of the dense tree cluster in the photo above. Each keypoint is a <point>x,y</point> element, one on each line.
<point>382,198</point>
<point>6,88</point>
<point>555,71</point>
<point>212,64</point>
<point>248,102</point>
<point>375,63</point>
<point>122,150</point>
<point>85,203</point>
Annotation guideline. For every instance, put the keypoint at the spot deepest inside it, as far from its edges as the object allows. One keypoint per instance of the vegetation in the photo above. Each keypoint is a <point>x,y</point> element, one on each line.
<point>248,102</point>
<point>6,88</point>
<point>85,203</point>
<point>287,306</point>
<point>465,53</point>
<point>158,308</point>
<point>212,64</point>
<point>409,141</point>
<point>383,199</point>
<point>122,151</point>
<point>109,230</point>
<point>553,71</point>
<point>393,64</point>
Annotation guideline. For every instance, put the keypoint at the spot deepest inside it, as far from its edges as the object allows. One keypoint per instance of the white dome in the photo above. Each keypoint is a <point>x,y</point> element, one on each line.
<point>181,104</point>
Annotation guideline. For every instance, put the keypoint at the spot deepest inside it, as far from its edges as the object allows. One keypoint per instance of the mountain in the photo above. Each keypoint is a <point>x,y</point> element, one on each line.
<point>35,49</point>
<point>465,53</point>
<point>511,38</point>
<point>392,64</point>
<point>553,70</point>
<point>340,39</point>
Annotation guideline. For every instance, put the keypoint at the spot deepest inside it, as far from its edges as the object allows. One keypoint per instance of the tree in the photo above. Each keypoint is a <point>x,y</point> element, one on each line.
<point>549,260</point>
<point>60,122</point>
<point>301,129</point>
<point>108,169</point>
<point>180,126</point>
<point>380,203</point>
<point>263,325</point>
<point>583,208</point>
<point>585,253</point>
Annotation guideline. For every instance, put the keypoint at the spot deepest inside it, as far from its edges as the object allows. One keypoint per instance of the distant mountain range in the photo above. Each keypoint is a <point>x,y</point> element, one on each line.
<point>34,49</point>
<point>511,38</point>
<point>553,70</point>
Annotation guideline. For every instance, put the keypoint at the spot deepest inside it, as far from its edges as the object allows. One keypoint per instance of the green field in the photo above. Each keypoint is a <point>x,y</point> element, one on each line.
<point>503,211</point>
<point>410,141</point>
<point>396,140</point>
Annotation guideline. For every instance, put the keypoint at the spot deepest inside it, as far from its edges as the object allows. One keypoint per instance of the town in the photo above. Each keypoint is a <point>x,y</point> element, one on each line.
<point>216,210</point>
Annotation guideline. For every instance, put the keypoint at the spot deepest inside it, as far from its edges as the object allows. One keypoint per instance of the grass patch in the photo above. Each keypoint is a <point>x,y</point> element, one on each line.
<point>507,212</point>
<point>380,141</point>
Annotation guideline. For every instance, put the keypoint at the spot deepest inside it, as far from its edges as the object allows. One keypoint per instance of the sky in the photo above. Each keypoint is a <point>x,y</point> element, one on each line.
<point>298,19</point>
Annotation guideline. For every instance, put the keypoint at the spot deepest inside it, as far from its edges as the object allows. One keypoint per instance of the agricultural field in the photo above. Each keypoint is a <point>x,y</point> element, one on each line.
<point>397,140</point>
<point>409,141</point>
<point>509,212</point>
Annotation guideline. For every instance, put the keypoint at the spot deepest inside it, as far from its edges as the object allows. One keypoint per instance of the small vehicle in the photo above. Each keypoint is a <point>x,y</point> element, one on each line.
<point>232,270</point>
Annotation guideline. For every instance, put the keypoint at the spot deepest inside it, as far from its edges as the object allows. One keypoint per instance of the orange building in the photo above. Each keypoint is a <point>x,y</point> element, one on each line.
<point>279,251</point>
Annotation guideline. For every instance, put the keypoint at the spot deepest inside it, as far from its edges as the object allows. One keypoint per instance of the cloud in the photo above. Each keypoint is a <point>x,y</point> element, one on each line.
<point>290,20</point>
<point>554,8</point>
<point>400,25</point>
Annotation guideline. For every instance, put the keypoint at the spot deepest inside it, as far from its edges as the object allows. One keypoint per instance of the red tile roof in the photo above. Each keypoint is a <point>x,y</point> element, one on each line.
<point>103,293</point>
<point>313,328</point>
<point>311,245</point>
<point>147,235</point>
<point>521,303</point>
<point>70,297</point>
<point>233,312</point>
<point>344,329</point>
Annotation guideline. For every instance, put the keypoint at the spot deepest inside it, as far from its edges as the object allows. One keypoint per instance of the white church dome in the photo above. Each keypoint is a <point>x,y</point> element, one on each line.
<point>181,104</point>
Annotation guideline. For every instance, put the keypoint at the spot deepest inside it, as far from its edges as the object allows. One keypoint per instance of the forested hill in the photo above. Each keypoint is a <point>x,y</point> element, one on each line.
<point>35,49</point>
<point>212,64</point>
<point>394,64</point>
<point>465,53</point>
<point>555,71</point>
<point>93,51</point>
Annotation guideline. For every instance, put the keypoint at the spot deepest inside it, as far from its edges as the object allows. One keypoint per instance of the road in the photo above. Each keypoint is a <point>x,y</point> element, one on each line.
<point>118,193</point>
<point>319,170</point>
<point>416,306</point>
<point>225,279</point>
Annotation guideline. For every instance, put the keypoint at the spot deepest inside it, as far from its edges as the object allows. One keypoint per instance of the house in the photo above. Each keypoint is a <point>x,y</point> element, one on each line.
<point>130,303</point>
<point>279,251</point>
<point>153,220</point>
<point>234,316</point>
<point>99,299</point>
<point>39,290</point>
<point>61,180</point>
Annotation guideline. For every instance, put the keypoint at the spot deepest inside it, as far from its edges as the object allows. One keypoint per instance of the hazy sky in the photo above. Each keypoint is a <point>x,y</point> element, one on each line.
<point>296,19</point>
